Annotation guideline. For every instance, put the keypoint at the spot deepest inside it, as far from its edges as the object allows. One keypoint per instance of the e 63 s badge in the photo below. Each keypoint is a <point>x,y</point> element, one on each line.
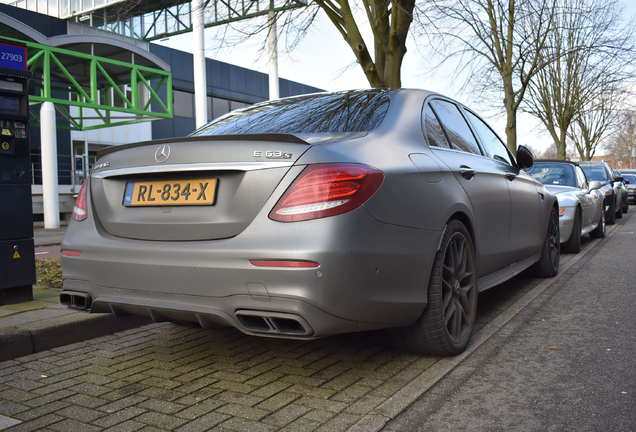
<point>271,154</point>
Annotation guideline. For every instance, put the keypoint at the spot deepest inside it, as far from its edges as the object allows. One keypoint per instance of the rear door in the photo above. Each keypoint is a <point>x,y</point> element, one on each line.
<point>527,230</point>
<point>481,178</point>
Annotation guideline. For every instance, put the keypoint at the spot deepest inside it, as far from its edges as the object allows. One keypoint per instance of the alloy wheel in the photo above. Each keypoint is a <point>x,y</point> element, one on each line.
<point>458,288</point>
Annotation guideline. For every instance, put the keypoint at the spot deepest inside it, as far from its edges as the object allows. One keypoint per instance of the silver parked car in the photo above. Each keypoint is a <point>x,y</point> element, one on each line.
<point>611,186</point>
<point>629,177</point>
<point>314,215</point>
<point>581,208</point>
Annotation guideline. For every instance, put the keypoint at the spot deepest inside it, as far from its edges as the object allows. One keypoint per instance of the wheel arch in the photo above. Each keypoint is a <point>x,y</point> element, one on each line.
<point>463,218</point>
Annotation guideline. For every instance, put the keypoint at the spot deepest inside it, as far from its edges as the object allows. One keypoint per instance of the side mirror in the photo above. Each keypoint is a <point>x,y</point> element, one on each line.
<point>525,158</point>
<point>593,185</point>
<point>626,181</point>
<point>619,179</point>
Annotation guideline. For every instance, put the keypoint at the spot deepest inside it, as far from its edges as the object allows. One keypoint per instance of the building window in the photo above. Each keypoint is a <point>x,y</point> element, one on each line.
<point>183,104</point>
<point>220,107</point>
<point>236,105</point>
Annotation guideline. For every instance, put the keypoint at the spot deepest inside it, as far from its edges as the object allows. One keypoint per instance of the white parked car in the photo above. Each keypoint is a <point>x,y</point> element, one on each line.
<point>581,207</point>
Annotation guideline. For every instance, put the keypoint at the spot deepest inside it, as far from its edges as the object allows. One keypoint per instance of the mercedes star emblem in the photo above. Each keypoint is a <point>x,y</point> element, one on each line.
<point>162,153</point>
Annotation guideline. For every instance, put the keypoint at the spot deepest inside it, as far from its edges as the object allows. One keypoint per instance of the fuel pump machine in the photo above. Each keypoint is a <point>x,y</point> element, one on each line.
<point>17,263</point>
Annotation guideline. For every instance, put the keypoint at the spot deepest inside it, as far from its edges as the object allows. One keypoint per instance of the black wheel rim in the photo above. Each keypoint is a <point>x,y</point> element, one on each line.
<point>554,242</point>
<point>459,289</point>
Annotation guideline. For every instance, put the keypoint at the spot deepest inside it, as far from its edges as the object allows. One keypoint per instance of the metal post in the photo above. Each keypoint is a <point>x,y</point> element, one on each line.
<point>198,58</point>
<point>272,48</point>
<point>48,140</point>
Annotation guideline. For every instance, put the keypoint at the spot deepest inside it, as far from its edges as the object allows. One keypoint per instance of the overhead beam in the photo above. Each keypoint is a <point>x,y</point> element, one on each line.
<point>144,93</point>
<point>166,20</point>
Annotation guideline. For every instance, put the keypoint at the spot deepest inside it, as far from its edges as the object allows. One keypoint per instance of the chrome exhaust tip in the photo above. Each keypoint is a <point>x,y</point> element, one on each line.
<point>76,300</point>
<point>273,323</point>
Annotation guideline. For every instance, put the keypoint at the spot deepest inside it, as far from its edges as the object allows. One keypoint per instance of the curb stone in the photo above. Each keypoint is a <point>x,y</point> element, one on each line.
<point>43,335</point>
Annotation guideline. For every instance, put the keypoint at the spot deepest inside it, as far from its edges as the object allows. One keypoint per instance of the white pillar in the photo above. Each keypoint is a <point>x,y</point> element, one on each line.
<point>272,48</point>
<point>198,58</point>
<point>48,140</point>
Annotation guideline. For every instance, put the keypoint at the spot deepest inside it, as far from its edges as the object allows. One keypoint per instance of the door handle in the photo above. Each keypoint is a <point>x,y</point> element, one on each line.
<point>466,172</point>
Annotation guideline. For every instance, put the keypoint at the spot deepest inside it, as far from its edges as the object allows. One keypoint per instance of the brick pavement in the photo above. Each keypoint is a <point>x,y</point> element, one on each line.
<point>168,377</point>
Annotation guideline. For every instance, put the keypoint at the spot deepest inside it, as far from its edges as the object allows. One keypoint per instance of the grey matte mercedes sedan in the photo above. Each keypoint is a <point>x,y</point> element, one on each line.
<point>314,215</point>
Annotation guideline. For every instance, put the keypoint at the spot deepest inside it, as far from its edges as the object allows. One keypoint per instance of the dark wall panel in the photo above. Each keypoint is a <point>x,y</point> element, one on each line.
<point>45,24</point>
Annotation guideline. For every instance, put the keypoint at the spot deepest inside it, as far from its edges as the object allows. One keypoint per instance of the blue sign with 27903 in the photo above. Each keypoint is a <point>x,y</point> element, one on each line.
<point>13,56</point>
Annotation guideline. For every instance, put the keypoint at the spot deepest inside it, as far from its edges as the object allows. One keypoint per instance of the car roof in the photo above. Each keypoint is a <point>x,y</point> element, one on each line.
<point>593,163</point>
<point>557,161</point>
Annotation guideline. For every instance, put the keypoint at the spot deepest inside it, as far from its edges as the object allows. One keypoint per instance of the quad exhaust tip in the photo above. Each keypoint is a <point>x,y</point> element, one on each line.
<point>273,323</point>
<point>76,300</point>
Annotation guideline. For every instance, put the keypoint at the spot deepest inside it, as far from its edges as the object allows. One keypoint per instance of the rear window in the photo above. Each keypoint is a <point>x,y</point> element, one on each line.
<point>359,111</point>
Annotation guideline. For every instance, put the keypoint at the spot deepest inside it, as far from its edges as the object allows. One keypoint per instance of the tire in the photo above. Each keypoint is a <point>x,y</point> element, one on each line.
<point>610,218</point>
<point>599,231</point>
<point>573,245</point>
<point>447,323</point>
<point>548,264</point>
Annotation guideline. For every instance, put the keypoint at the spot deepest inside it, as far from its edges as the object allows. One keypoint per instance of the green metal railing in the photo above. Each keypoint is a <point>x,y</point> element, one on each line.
<point>107,86</point>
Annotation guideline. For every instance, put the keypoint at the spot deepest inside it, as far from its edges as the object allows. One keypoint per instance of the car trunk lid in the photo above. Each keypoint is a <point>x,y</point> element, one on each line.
<point>240,173</point>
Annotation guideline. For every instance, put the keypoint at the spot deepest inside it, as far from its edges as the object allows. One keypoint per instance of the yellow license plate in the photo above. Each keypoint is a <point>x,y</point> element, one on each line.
<point>170,193</point>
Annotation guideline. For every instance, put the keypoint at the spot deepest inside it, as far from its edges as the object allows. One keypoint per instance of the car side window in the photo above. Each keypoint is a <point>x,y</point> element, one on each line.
<point>433,129</point>
<point>457,130</point>
<point>580,178</point>
<point>489,140</point>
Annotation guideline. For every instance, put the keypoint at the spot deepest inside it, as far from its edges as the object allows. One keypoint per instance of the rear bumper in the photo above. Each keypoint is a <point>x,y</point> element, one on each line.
<point>371,275</point>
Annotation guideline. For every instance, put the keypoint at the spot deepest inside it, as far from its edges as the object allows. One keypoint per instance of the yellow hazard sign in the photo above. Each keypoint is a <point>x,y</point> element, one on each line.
<point>16,254</point>
<point>6,132</point>
<point>5,146</point>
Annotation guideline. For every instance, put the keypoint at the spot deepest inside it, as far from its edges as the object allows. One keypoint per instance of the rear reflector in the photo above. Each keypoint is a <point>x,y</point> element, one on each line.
<point>71,253</point>
<point>284,263</point>
<point>323,190</point>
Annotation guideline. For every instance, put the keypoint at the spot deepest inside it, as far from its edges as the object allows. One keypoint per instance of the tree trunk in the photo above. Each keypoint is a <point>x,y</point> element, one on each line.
<point>511,129</point>
<point>393,67</point>
<point>561,145</point>
<point>511,112</point>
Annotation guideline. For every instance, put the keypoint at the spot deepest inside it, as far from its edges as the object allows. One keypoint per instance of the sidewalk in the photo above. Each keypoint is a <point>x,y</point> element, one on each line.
<point>44,323</point>
<point>45,237</point>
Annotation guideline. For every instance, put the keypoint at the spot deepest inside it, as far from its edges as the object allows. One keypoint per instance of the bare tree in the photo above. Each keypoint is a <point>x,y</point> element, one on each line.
<point>623,142</point>
<point>501,41</point>
<point>590,60</point>
<point>390,21</point>
<point>380,58</point>
<point>595,122</point>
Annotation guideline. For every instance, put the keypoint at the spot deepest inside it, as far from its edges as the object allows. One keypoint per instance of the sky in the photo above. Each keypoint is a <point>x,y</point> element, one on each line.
<point>323,59</point>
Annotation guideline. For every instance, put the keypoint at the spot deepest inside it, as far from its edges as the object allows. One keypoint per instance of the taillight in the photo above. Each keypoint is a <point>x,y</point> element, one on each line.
<point>80,211</point>
<point>323,190</point>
